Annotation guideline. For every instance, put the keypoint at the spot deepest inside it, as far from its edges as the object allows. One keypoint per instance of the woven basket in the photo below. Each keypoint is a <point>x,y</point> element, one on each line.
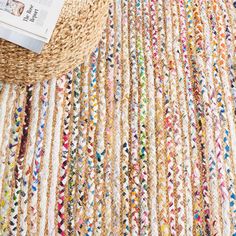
<point>77,33</point>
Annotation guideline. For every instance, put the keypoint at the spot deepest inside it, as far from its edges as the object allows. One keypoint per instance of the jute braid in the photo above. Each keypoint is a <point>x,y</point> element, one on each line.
<point>77,33</point>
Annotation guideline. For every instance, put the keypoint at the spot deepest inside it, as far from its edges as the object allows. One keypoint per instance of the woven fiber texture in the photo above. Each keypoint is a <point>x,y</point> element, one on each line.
<point>77,33</point>
<point>138,140</point>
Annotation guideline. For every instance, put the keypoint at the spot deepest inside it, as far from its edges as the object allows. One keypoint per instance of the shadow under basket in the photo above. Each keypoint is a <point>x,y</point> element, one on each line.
<point>76,35</point>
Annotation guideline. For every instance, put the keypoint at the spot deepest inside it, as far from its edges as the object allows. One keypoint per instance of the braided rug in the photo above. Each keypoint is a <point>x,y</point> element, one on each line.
<point>138,140</point>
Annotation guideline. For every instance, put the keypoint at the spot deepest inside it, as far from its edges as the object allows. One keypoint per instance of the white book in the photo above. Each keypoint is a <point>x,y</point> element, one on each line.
<point>21,39</point>
<point>29,23</point>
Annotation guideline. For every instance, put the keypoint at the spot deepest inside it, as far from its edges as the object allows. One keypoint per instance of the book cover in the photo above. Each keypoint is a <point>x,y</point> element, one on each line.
<point>29,23</point>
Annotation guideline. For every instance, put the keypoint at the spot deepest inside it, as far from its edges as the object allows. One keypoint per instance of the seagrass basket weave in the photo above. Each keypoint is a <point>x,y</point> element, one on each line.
<point>77,33</point>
